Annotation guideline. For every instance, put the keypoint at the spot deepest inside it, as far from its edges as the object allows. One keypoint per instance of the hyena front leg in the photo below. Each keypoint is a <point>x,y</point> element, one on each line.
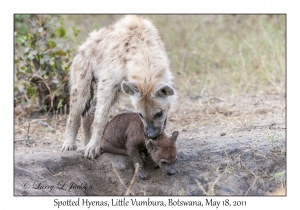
<point>106,96</point>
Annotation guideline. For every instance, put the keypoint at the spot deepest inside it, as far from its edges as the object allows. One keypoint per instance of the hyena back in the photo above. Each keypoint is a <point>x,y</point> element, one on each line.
<point>129,56</point>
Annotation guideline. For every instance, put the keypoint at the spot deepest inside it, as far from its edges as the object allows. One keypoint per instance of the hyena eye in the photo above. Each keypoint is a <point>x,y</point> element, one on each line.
<point>141,116</point>
<point>158,114</point>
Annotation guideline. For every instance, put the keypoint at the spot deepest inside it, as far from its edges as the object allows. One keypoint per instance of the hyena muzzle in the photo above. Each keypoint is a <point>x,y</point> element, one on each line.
<point>129,56</point>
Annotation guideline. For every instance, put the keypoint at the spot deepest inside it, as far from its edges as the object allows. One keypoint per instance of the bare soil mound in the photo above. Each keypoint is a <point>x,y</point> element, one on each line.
<point>221,166</point>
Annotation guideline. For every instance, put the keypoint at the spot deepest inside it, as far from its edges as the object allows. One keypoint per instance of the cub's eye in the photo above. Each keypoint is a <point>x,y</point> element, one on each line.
<point>141,116</point>
<point>164,162</point>
<point>158,114</point>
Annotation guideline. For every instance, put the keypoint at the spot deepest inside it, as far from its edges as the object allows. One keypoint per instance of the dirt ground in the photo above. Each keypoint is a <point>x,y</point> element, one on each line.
<point>226,146</point>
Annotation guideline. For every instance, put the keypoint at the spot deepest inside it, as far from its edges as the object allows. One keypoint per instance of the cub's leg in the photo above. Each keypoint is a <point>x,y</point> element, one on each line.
<point>134,154</point>
<point>106,146</point>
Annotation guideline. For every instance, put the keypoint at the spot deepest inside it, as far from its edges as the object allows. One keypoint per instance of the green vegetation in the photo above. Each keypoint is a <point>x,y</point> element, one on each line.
<point>42,60</point>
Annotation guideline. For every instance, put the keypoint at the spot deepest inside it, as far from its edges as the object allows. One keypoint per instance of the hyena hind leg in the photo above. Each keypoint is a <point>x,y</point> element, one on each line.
<point>73,122</point>
<point>87,121</point>
<point>79,96</point>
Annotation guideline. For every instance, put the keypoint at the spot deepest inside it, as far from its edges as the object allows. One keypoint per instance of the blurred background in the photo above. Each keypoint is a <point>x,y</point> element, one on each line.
<point>220,64</point>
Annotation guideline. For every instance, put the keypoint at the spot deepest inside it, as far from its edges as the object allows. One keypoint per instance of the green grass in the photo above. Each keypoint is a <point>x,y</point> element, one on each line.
<point>215,54</point>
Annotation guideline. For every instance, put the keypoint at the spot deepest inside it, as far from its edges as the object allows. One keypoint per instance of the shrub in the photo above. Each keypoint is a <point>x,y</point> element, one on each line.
<point>42,61</point>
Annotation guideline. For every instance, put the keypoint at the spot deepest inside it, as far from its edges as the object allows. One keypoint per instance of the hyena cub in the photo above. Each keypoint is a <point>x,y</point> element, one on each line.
<point>124,135</point>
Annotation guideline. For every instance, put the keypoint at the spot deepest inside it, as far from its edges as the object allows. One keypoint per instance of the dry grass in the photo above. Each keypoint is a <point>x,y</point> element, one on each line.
<point>128,189</point>
<point>216,55</point>
<point>42,131</point>
<point>210,191</point>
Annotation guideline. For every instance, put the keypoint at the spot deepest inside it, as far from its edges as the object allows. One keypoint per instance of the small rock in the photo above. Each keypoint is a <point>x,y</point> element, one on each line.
<point>223,134</point>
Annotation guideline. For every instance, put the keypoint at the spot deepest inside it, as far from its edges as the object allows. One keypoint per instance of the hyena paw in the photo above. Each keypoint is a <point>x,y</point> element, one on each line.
<point>142,174</point>
<point>92,151</point>
<point>68,147</point>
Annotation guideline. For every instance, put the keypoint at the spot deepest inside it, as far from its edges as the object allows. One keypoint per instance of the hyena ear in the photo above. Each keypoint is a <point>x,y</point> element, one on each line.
<point>129,88</point>
<point>175,135</point>
<point>150,145</point>
<point>164,90</point>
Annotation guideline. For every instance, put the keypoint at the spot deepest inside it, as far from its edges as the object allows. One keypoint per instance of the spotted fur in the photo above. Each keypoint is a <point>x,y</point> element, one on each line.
<point>129,56</point>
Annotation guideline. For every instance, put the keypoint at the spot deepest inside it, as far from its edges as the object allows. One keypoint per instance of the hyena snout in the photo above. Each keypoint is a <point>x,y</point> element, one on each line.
<point>152,132</point>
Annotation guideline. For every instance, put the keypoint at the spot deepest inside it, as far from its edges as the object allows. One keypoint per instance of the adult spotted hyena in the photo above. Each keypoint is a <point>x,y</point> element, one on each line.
<point>129,56</point>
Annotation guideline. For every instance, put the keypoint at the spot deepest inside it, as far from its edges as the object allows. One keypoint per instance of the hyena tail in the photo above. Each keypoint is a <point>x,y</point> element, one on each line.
<point>80,84</point>
<point>88,115</point>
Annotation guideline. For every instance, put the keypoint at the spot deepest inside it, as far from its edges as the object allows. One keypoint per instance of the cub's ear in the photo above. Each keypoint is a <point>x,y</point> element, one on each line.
<point>175,135</point>
<point>164,90</point>
<point>129,88</point>
<point>150,145</point>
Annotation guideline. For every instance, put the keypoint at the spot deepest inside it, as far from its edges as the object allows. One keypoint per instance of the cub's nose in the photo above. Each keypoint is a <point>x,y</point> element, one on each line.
<point>171,172</point>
